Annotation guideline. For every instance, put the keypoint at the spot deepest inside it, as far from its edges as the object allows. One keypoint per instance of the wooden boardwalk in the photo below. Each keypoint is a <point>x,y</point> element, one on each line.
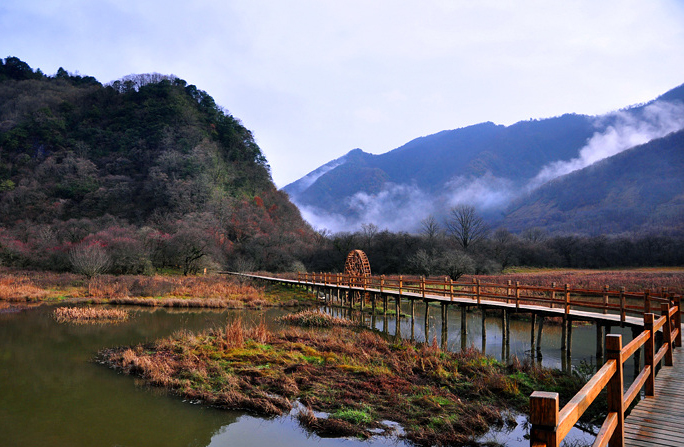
<point>659,421</point>
<point>523,304</point>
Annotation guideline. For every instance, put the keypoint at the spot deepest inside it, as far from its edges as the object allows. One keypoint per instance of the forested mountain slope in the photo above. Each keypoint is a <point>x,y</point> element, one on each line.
<point>639,190</point>
<point>148,161</point>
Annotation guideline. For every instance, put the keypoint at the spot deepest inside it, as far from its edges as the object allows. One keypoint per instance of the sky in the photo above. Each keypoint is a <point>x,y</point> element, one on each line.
<point>314,79</point>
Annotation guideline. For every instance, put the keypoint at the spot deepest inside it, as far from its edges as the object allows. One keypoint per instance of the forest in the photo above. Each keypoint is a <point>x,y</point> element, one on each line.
<point>148,173</point>
<point>143,174</point>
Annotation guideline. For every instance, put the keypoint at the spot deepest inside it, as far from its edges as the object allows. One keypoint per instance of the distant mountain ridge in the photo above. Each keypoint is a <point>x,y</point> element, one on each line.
<point>492,167</point>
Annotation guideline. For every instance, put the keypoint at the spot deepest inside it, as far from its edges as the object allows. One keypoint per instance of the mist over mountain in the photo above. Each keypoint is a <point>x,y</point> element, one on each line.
<point>638,190</point>
<point>492,167</point>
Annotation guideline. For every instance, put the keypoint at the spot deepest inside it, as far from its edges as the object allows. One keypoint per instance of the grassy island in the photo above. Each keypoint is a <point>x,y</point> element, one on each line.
<point>359,379</point>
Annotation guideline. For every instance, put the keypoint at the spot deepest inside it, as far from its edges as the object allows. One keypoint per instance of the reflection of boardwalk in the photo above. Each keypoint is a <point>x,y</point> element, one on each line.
<point>659,420</point>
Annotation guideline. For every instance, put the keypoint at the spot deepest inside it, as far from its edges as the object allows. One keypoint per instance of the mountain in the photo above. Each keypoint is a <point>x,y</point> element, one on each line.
<point>638,190</point>
<point>148,159</point>
<point>485,165</point>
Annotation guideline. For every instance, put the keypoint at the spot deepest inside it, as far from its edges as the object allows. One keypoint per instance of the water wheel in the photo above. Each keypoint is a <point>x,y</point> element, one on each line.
<point>357,264</point>
<point>358,269</point>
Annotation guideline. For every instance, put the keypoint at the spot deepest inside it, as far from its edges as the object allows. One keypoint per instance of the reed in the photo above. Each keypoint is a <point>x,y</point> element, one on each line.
<point>314,318</point>
<point>85,315</point>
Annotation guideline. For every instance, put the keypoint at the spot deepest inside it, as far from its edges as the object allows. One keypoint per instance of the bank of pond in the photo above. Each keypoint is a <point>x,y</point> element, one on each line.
<point>197,377</point>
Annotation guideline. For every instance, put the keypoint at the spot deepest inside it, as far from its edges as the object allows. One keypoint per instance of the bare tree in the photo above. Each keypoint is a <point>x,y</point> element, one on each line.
<point>465,226</point>
<point>369,231</point>
<point>534,235</point>
<point>89,259</point>
<point>430,229</point>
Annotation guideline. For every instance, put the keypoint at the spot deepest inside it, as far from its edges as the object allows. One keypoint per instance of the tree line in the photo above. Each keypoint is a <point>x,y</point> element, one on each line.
<point>464,244</point>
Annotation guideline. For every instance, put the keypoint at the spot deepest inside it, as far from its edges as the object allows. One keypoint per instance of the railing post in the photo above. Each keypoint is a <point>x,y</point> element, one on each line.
<point>477,290</point>
<point>382,283</point>
<point>517,295</point>
<point>401,283</point>
<point>508,291</point>
<point>605,299</point>
<point>567,299</point>
<point>678,320</point>
<point>451,289</point>
<point>544,419</point>
<point>667,332</point>
<point>622,305</point>
<point>422,286</point>
<point>649,354</point>
<point>616,388</point>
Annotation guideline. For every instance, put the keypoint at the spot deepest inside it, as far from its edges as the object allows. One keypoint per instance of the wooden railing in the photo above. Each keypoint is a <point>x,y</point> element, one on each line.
<point>605,300</point>
<point>550,425</point>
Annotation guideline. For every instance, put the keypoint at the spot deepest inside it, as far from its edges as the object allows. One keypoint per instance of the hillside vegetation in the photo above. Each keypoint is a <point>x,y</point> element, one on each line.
<point>146,172</point>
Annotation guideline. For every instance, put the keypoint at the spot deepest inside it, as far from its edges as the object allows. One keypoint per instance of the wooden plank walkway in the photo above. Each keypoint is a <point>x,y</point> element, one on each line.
<point>659,421</point>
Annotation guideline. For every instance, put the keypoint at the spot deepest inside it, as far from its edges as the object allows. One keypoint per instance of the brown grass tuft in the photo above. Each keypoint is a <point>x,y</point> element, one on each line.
<point>84,315</point>
<point>235,334</point>
<point>314,318</point>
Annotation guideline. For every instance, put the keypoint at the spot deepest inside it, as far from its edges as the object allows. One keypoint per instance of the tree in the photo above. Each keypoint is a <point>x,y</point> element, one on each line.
<point>465,226</point>
<point>456,263</point>
<point>89,259</point>
<point>430,229</point>
<point>369,231</point>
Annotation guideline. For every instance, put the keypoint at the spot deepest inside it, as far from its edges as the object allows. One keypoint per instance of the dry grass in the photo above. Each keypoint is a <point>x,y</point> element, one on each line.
<point>213,291</point>
<point>89,315</point>
<point>20,288</point>
<point>358,377</point>
<point>314,318</point>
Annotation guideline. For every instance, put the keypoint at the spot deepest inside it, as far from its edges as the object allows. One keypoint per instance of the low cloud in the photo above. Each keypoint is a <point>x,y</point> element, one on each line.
<point>627,129</point>
<point>486,193</point>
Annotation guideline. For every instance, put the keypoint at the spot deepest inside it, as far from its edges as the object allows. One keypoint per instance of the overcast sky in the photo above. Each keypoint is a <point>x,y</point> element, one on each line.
<point>314,79</point>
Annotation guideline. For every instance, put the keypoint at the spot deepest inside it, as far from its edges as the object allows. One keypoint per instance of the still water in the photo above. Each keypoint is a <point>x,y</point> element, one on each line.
<point>52,393</point>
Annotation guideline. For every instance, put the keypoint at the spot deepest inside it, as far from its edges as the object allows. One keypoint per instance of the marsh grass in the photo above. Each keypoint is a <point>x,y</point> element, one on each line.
<point>89,315</point>
<point>314,318</point>
<point>355,376</point>
<point>211,291</point>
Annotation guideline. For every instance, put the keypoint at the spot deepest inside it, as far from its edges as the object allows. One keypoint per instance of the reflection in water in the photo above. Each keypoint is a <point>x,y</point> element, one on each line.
<point>501,335</point>
<point>54,394</point>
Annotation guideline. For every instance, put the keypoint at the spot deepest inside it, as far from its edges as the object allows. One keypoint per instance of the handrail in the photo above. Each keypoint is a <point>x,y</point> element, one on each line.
<point>550,426</point>
<point>617,302</point>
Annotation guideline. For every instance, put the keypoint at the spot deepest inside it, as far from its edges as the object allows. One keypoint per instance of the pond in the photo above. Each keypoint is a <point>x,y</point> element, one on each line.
<point>53,393</point>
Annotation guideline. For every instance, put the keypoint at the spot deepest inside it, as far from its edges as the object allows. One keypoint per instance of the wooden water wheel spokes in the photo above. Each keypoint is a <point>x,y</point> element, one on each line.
<point>357,268</point>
